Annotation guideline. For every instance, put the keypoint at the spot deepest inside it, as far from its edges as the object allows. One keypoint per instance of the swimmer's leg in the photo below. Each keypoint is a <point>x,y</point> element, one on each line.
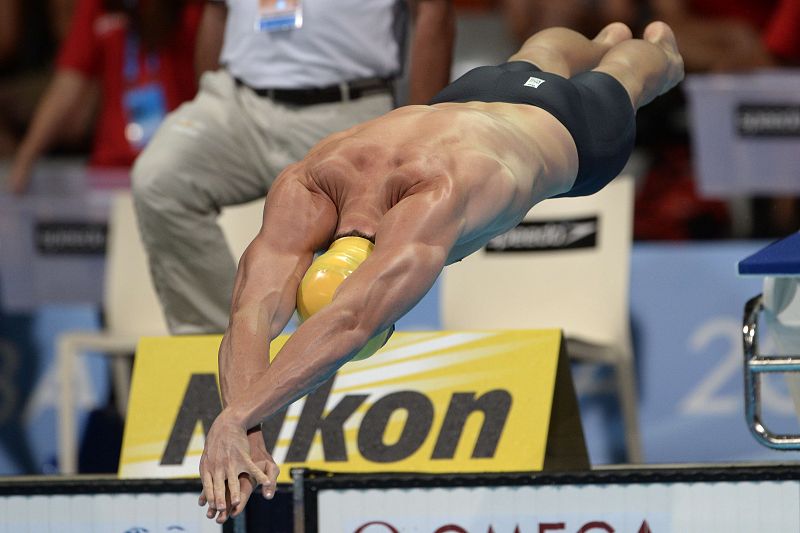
<point>646,67</point>
<point>566,52</point>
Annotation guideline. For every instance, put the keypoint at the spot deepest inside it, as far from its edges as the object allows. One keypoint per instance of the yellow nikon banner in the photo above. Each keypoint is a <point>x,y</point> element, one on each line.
<point>455,402</point>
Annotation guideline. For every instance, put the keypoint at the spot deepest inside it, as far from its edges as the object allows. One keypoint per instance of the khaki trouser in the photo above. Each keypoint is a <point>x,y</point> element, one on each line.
<point>223,148</point>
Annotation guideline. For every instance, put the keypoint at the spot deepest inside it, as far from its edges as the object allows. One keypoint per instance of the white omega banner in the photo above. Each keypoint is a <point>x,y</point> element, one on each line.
<point>731,507</point>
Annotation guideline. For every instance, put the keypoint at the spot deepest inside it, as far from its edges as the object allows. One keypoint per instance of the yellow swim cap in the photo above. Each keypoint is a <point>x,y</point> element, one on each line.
<point>324,276</point>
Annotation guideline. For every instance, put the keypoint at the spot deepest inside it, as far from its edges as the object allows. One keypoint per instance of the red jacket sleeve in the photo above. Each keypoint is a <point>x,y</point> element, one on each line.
<point>782,34</point>
<point>79,50</point>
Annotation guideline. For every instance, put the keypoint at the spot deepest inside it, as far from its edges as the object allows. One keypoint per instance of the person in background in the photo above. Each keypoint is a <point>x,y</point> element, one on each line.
<point>25,65</point>
<point>734,35</point>
<point>525,17</point>
<point>715,36</point>
<point>279,76</point>
<point>140,53</point>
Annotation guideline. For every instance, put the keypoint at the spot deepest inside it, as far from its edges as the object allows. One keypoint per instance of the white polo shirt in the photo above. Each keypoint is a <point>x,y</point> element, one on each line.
<point>339,40</point>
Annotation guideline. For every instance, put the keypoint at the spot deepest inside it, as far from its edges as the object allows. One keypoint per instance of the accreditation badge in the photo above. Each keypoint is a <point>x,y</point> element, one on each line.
<point>145,107</point>
<point>144,101</point>
<point>279,15</point>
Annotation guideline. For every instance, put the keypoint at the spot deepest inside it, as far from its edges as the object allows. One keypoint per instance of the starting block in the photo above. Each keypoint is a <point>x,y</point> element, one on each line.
<point>779,303</point>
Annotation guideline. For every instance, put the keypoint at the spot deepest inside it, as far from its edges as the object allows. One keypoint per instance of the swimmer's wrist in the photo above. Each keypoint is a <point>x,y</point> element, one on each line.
<point>237,416</point>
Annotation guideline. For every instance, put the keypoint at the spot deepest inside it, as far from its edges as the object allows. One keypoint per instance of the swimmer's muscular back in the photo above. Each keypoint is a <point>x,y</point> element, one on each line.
<point>496,159</point>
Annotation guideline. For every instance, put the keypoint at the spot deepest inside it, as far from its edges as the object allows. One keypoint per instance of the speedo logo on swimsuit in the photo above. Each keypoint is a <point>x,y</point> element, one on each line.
<point>534,82</point>
<point>547,235</point>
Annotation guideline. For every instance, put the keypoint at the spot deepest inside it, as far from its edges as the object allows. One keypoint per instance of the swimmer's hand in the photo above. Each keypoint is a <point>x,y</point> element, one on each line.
<point>232,454</point>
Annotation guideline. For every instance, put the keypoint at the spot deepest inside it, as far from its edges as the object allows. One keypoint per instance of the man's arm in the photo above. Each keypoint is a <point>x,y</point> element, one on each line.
<point>55,108</point>
<point>412,244</point>
<point>296,223</point>
<point>431,48</point>
<point>210,35</point>
<point>9,28</point>
<point>411,248</point>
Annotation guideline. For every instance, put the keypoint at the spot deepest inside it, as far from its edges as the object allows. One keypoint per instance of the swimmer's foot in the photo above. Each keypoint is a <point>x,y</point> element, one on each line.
<point>613,34</point>
<point>662,36</point>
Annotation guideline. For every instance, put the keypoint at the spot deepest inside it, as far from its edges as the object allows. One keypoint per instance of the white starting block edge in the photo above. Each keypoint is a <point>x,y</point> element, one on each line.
<point>685,498</point>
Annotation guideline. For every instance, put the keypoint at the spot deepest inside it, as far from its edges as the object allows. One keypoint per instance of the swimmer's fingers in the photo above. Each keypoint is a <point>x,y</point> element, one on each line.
<point>231,495</point>
<point>245,490</point>
<point>258,475</point>
<point>207,497</point>
<point>265,470</point>
<point>233,486</point>
<point>269,486</point>
<point>220,503</point>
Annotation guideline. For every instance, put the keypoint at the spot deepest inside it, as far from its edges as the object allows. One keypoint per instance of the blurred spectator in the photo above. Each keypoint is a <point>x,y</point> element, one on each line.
<point>526,17</point>
<point>25,58</point>
<point>475,5</point>
<point>60,17</point>
<point>714,36</point>
<point>141,55</point>
<point>9,24</point>
<point>482,36</point>
<point>733,35</point>
<point>281,91</point>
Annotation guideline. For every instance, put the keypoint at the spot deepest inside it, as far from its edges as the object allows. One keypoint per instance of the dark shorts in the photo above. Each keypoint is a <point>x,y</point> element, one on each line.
<point>593,106</point>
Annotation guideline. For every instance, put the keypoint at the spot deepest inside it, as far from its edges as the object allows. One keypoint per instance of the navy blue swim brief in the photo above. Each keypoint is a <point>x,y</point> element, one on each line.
<point>593,106</point>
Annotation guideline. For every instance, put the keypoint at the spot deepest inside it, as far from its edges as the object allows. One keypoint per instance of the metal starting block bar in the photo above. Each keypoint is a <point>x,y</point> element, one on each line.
<point>779,263</point>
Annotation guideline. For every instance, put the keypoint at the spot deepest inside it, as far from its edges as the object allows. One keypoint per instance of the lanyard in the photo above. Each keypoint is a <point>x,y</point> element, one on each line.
<point>131,67</point>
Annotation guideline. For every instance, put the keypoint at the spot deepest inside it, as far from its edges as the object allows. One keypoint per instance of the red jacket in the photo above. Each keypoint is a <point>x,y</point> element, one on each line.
<point>99,45</point>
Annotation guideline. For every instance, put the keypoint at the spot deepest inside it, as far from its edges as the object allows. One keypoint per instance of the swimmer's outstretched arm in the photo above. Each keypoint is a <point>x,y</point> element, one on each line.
<point>411,248</point>
<point>296,222</point>
<point>412,245</point>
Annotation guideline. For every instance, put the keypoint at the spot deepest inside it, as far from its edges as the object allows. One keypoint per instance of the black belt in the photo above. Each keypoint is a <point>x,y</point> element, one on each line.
<point>350,90</point>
